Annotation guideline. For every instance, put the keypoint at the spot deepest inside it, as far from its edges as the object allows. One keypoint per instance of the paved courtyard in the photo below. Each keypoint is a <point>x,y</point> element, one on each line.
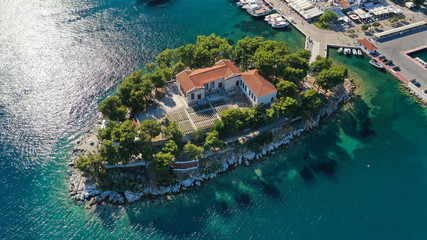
<point>191,118</point>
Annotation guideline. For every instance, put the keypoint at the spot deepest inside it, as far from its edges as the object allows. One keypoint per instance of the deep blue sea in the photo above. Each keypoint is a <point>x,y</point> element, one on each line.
<point>361,175</point>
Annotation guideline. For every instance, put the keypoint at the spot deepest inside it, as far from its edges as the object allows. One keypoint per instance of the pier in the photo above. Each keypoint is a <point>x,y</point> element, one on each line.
<point>317,40</point>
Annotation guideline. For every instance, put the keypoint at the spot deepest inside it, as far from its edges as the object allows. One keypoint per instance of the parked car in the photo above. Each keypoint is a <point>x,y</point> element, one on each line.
<point>396,68</point>
<point>413,80</point>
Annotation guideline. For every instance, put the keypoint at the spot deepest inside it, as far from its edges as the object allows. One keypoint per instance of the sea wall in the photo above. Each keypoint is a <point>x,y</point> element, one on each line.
<point>83,189</point>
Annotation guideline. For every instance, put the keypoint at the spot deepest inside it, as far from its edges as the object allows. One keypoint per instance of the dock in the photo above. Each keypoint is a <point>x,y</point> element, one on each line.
<point>317,40</point>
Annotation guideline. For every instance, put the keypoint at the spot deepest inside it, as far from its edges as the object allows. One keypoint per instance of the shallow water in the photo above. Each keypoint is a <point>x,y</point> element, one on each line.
<point>59,59</point>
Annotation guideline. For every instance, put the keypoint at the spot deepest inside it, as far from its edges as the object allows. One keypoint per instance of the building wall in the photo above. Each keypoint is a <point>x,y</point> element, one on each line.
<point>267,98</point>
<point>210,90</point>
<point>196,92</point>
<point>230,83</point>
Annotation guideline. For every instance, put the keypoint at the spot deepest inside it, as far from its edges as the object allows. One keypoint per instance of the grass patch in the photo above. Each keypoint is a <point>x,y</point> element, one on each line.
<point>321,25</point>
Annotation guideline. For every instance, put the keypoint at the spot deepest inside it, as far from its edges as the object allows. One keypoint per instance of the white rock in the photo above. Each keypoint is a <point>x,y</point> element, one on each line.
<point>105,195</point>
<point>249,156</point>
<point>264,152</point>
<point>132,197</point>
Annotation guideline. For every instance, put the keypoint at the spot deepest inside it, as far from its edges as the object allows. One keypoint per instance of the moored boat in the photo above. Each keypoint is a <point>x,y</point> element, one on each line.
<point>376,64</point>
<point>340,50</point>
<point>271,16</point>
<point>354,51</point>
<point>347,51</point>
<point>279,24</point>
<point>359,52</point>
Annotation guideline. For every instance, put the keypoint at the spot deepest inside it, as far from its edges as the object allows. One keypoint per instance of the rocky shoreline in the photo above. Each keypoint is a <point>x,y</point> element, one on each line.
<point>83,189</point>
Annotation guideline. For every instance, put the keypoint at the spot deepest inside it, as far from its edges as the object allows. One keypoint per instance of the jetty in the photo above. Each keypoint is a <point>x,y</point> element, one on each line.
<point>317,40</point>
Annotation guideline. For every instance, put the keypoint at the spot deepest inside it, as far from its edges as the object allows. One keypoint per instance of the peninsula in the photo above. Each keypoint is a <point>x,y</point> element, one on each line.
<point>199,110</point>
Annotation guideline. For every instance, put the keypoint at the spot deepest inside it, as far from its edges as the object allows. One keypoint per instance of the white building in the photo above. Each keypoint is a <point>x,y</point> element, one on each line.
<point>224,76</point>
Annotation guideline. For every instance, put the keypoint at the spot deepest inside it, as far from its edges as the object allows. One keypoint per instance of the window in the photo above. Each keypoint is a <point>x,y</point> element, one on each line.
<point>206,86</point>
<point>237,83</point>
<point>212,84</point>
<point>199,96</point>
<point>192,96</point>
<point>272,99</point>
<point>220,85</point>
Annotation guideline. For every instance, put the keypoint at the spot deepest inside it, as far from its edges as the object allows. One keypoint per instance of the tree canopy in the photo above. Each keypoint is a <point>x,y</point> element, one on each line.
<point>212,140</point>
<point>310,102</point>
<point>113,109</point>
<point>286,89</point>
<point>320,64</point>
<point>193,151</point>
<point>330,78</point>
<point>151,127</point>
<point>328,16</point>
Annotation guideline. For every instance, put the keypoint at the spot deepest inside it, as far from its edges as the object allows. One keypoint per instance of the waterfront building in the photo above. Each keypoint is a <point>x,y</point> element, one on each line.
<point>223,77</point>
<point>366,46</point>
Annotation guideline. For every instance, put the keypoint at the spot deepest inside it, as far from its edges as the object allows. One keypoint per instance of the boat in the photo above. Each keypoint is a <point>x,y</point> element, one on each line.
<point>354,51</point>
<point>279,24</point>
<point>340,50</point>
<point>257,9</point>
<point>243,2</point>
<point>374,63</point>
<point>359,52</point>
<point>271,16</point>
<point>347,51</point>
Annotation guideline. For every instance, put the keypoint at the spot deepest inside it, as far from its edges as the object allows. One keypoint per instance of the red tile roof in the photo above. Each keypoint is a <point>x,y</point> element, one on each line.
<point>344,4</point>
<point>367,44</point>
<point>196,78</point>
<point>258,84</point>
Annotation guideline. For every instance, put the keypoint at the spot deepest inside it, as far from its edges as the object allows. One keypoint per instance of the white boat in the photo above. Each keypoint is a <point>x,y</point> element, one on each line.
<point>354,51</point>
<point>277,19</point>
<point>340,50</point>
<point>374,63</point>
<point>359,52</point>
<point>259,12</point>
<point>243,2</point>
<point>279,24</point>
<point>271,16</point>
<point>347,51</point>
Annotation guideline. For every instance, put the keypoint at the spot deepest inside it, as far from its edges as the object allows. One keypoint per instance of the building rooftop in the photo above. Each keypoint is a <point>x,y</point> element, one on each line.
<point>367,44</point>
<point>257,83</point>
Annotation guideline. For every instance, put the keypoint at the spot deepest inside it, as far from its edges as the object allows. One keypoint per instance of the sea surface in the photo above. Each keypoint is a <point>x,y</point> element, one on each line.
<point>361,175</point>
<point>422,54</point>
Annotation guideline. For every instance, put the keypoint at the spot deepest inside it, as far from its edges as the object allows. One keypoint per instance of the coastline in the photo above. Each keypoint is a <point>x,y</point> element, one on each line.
<point>83,189</point>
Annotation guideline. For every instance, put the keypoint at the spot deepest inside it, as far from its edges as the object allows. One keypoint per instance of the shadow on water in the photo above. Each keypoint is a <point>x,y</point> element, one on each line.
<point>327,167</point>
<point>307,174</point>
<point>153,3</point>
<point>271,190</point>
<point>244,200</point>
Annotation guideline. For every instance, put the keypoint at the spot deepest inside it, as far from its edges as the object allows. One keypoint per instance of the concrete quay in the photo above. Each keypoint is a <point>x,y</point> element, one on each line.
<point>317,40</point>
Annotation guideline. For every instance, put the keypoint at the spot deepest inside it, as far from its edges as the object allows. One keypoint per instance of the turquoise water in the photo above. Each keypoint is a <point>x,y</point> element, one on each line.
<point>59,59</point>
<point>421,54</point>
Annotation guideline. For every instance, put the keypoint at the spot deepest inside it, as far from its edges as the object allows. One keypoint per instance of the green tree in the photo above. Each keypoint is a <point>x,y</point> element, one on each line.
<point>256,116</point>
<point>125,135</point>
<point>418,2</point>
<point>193,151</point>
<point>108,152</point>
<point>177,68</point>
<point>171,147</point>
<point>212,140</point>
<point>310,102</point>
<point>320,64</point>
<point>186,54</point>
<point>304,54</point>
<point>288,107</point>
<point>328,16</point>
<point>151,127</point>
<point>245,50</point>
<point>105,134</point>
<point>165,58</point>
<point>365,27</point>
<point>233,119</point>
<point>161,167</point>
<point>286,89</point>
<point>89,165</point>
<point>376,24</point>
<point>330,78</point>
<point>113,109</point>
<point>198,136</point>
<point>171,131</point>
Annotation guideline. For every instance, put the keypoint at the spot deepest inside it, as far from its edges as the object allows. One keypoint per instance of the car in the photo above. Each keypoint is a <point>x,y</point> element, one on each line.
<point>389,62</point>
<point>425,90</point>
<point>417,84</point>
<point>413,80</point>
<point>381,57</point>
<point>396,68</point>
